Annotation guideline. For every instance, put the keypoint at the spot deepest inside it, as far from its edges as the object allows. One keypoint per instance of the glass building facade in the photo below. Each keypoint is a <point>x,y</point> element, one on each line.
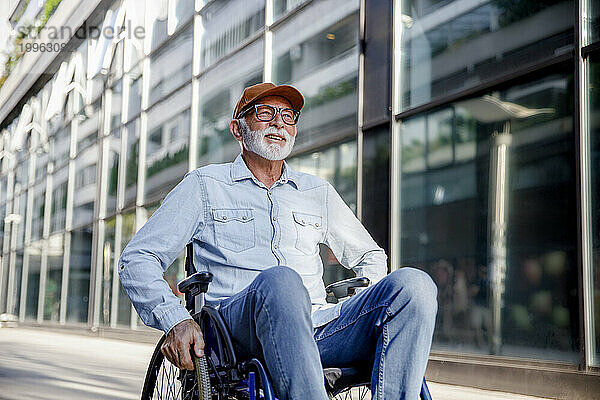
<point>465,134</point>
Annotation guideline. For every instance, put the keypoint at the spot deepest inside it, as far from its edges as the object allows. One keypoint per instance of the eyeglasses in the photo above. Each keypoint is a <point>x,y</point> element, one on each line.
<point>266,113</point>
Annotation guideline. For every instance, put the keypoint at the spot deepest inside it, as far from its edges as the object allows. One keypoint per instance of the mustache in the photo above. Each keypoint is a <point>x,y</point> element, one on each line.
<point>271,130</point>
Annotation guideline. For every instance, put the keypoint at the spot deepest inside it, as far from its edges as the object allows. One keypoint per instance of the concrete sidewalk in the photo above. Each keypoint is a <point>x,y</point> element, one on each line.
<point>54,365</point>
<point>440,391</point>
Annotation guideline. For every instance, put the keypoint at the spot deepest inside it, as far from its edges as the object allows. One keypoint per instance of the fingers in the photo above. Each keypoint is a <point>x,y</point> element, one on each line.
<point>180,342</point>
<point>170,354</point>
<point>198,344</point>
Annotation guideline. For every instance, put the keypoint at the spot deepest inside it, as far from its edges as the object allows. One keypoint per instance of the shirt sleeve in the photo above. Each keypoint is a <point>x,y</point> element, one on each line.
<point>350,242</point>
<point>155,246</point>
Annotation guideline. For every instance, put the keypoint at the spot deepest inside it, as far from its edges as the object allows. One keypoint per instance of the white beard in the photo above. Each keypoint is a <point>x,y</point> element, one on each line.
<point>254,141</point>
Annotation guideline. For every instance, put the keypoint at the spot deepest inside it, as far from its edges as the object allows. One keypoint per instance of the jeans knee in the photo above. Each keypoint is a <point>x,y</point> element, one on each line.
<point>284,285</point>
<point>418,287</point>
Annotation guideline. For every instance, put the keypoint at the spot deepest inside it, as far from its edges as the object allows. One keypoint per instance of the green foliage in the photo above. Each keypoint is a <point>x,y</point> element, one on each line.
<point>132,165</point>
<point>49,8</point>
<point>333,92</point>
<point>515,10</point>
<point>168,160</point>
<point>113,175</point>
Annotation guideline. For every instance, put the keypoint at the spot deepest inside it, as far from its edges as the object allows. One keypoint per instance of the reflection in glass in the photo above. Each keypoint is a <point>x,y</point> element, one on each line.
<point>317,51</point>
<point>3,188</point>
<point>41,167</point>
<point>449,46</point>
<point>156,23</point>
<point>376,184</point>
<point>135,95</point>
<point>22,175</point>
<point>16,287</point>
<point>34,253</point>
<point>167,148</point>
<point>132,157</point>
<point>594,124</point>
<point>38,212</point>
<point>54,278</point>
<point>439,140</point>
<point>226,25</point>
<point>108,259</point>
<point>134,41</point>
<point>20,203</point>
<point>116,66</point>
<point>447,210</point>
<point>59,147</point>
<point>87,132</point>
<point>171,66</point>
<point>180,11</point>
<point>591,22</point>
<point>2,226</point>
<point>85,186</point>
<point>80,262</point>
<point>4,282</point>
<point>115,105</point>
<point>124,304</point>
<point>59,200</point>
<point>281,7</point>
<point>217,101</point>
<point>114,149</point>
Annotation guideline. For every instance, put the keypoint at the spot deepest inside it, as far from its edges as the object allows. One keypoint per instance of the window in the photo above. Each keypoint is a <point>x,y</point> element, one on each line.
<point>132,156</point>
<point>167,155</point>
<point>594,127</point>
<point>79,274</point>
<point>59,200</point>
<point>451,203</point>
<point>171,66</point>
<point>321,59</point>
<point>226,25</point>
<point>217,101</point>
<point>54,278</point>
<point>448,47</point>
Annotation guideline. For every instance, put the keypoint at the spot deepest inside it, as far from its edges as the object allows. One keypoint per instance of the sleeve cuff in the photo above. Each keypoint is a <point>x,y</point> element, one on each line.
<point>172,317</point>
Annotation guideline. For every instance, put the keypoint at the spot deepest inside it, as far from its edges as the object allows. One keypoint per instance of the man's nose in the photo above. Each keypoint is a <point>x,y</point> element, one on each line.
<point>277,121</point>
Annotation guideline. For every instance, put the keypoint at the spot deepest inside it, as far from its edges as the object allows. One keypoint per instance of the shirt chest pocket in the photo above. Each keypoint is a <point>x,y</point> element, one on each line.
<point>234,229</point>
<point>309,231</point>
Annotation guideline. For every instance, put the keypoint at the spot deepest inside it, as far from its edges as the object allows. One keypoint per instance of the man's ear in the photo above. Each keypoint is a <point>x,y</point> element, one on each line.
<point>236,129</point>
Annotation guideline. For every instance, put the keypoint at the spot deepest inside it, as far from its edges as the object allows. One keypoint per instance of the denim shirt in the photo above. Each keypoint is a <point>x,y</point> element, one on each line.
<point>240,227</point>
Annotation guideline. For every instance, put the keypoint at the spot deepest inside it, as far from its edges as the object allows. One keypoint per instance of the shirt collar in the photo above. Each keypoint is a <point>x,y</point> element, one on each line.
<point>240,171</point>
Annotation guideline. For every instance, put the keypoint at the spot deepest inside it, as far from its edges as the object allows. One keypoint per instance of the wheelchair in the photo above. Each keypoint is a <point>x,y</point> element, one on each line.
<point>219,375</point>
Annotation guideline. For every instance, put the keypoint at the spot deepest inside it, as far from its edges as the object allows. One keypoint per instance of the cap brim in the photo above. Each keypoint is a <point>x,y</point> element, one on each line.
<point>289,93</point>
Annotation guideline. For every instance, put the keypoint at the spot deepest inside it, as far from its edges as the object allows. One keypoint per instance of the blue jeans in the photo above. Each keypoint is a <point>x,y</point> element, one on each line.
<point>388,326</point>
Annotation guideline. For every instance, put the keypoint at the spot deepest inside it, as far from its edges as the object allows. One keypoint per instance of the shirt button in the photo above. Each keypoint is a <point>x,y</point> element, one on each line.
<point>244,218</point>
<point>224,216</point>
<point>317,224</point>
<point>274,218</point>
<point>274,246</point>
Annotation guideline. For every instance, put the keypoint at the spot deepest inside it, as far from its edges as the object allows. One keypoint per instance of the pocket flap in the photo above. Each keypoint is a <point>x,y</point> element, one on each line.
<point>226,215</point>
<point>308,219</point>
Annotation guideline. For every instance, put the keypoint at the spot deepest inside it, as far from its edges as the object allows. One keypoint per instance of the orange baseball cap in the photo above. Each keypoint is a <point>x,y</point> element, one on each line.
<point>253,93</point>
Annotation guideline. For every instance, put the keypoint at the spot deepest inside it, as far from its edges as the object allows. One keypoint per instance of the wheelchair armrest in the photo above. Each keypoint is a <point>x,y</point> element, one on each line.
<point>346,287</point>
<point>196,283</point>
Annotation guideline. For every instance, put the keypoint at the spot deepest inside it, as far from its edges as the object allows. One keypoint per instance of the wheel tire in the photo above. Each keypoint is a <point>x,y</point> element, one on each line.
<point>163,381</point>
<point>354,393</point>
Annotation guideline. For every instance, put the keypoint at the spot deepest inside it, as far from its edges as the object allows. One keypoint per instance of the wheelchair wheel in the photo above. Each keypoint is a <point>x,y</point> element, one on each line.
<point>361,392</point>
<point>164,381</point>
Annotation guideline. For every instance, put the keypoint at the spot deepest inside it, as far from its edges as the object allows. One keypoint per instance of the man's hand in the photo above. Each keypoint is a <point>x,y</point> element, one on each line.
<point>180,339</point>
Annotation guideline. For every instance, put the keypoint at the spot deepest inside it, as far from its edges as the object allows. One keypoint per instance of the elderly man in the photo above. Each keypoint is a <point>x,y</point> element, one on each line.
<point>256,224</point>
